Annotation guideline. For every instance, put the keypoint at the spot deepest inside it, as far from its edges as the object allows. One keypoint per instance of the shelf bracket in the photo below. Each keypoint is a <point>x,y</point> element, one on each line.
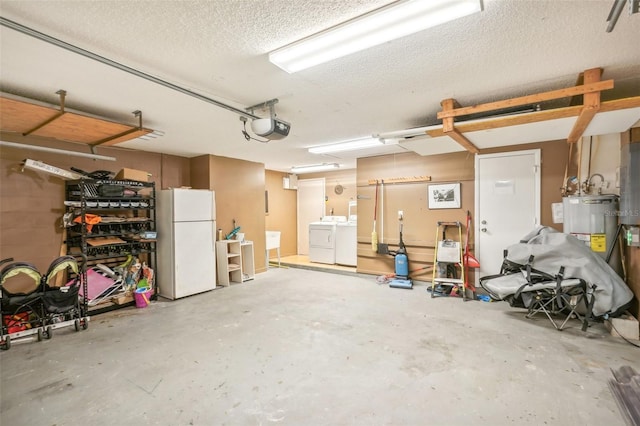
<point>136,113</point>
<point>63,94</point>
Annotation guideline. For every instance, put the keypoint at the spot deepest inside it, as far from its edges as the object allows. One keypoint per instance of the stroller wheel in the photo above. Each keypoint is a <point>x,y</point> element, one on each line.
<point>48,333</point>
<point>85,323</point>
<point>7,344</point>
<point>40,335</point>
<point>76,324</point>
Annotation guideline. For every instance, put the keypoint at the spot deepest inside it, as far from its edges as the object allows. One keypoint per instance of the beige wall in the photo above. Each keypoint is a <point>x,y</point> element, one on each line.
<point>282,213</point>
<point>240,196</point>
<point>32,203</point>
<point>420,222</point>
<point>601,154</point>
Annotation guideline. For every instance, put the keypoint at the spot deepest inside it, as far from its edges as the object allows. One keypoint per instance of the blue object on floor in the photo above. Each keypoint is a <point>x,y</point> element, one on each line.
<point>400,283</point>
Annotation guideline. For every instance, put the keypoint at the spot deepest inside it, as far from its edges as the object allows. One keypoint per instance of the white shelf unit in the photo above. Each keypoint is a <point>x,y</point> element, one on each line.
<point>229,259</point>
<point>247,261</point>
<point>235,261</point>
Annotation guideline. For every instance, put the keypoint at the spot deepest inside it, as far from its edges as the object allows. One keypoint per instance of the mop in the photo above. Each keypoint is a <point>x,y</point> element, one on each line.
<point>374,234</point>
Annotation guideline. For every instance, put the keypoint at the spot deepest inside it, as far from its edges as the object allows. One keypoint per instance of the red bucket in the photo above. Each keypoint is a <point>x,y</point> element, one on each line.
<point>142,297</point>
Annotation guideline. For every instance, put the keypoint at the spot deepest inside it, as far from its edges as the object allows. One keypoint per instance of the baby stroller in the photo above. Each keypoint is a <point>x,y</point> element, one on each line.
<point>61,304</point>
<point>32,305</point>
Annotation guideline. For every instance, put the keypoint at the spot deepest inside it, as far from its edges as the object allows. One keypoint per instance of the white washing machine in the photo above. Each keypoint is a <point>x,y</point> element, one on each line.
<point>347,243</point>
<point>322,239</point>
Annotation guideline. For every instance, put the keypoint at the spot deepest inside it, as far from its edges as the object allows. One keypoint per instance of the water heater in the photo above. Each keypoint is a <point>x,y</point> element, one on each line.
<point>592,219</point>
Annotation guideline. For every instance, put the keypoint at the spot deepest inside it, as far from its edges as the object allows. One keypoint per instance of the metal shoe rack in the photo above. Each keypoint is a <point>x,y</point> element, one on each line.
<point>126,227</point>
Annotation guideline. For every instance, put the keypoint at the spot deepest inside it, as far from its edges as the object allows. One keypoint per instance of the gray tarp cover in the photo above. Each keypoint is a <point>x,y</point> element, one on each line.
<point>551,250</point>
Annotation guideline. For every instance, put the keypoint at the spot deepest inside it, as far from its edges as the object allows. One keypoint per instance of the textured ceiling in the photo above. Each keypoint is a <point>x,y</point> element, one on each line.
<point>219,49</point>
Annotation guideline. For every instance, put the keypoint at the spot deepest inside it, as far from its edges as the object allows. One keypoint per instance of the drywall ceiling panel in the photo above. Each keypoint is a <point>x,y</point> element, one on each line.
<point>523,133</point>
<point>432,146</point>
<point>367,152</point>
<point>612,121</point>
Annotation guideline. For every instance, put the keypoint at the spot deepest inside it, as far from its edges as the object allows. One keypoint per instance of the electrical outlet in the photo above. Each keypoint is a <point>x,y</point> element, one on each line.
<point>400,214</point>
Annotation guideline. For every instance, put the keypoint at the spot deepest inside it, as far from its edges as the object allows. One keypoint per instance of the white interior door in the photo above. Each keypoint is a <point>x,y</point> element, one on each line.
<point>311,208</point>
<point>507,203</point>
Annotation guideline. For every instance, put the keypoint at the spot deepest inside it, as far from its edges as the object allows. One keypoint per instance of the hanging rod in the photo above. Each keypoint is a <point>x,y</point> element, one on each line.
<point>56,151</point>
<point>44,37</point>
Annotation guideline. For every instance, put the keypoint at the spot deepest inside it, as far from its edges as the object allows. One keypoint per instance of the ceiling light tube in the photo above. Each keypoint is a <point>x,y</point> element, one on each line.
<point>56,151</point>
<point>152,135</point>
<point>351,145</point>
<point>315,168</point>
<point>388,23</point>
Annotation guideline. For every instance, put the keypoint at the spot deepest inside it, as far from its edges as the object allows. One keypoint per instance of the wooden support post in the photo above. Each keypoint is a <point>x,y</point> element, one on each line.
<point>591,105</point>
<point>449,129</point>
<point>462,140</point>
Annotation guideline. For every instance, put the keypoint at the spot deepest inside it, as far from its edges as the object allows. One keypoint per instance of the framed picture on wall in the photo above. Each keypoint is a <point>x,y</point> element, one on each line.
<point>444,196</point>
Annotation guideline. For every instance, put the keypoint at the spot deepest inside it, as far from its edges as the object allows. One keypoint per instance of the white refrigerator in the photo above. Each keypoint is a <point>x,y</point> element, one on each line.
<point>186,225</point>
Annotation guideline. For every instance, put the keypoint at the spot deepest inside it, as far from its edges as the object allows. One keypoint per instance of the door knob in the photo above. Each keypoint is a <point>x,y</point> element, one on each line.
<point>484,229</point>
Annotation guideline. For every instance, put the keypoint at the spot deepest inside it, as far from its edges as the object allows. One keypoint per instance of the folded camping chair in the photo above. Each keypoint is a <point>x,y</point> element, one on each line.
<point>556,297</point>
<point>526,287</point>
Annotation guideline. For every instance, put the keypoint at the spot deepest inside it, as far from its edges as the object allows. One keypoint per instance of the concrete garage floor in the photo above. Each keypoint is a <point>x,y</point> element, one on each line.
<point>300,347</point>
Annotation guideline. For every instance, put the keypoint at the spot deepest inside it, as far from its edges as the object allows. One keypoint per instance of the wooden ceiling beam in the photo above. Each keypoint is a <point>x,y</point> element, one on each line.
<point>511,120</point>
<point>617,104</point>
<point>535,117</point>
<point>591,105</point>
<point>529,99</point>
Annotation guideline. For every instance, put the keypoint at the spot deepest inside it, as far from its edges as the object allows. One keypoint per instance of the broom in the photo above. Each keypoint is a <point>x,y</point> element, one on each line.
<point>374,234</point>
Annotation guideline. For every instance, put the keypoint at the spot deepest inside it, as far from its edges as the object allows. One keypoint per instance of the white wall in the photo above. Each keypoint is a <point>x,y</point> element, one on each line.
<point>605,160</point>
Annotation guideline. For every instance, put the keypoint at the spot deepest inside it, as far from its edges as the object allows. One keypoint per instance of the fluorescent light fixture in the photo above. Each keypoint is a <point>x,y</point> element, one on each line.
<point>315,168</point>
<point>388,23</point>
<point>152,135</point>
<point>350,145</point>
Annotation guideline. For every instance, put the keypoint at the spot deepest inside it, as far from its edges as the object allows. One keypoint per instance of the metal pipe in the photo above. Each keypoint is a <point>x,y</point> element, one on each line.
<point>56,151</point>
<point>614,14</point>
<point>56,42</point>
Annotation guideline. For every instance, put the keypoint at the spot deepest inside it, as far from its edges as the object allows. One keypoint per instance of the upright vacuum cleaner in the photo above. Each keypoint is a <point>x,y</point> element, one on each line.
<point>401,262</point>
